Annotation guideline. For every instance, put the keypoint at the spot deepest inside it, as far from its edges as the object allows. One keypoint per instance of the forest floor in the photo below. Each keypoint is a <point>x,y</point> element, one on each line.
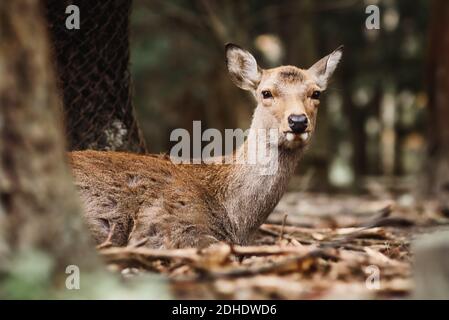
<point>314,246</point>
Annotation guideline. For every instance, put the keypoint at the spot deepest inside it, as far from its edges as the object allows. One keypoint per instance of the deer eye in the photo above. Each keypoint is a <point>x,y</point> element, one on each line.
<point>266,94</point>
<point>316,94</point>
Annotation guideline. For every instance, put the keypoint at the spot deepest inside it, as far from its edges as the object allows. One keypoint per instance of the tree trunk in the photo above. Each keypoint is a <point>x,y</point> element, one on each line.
<point>438,68</point>
<point>41,230</point>
<point>432,251</point>
<point>39,211</point>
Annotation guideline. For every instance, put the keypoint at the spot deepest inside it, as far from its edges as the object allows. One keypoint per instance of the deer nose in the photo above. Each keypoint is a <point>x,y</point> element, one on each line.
<point>298,123</point>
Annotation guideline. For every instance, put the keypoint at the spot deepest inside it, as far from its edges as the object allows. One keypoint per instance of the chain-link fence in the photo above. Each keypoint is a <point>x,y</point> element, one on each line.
<point>93,69</point>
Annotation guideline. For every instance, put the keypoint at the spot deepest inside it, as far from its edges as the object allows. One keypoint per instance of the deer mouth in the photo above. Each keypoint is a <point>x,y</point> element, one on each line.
<point>292,136</point>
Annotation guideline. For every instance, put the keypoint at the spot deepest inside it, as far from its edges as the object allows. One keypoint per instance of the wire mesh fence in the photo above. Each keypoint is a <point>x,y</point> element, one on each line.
<point>93,68</point>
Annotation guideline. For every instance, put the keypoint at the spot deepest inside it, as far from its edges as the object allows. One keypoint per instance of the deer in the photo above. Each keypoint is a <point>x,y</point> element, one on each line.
<point>148,200</point>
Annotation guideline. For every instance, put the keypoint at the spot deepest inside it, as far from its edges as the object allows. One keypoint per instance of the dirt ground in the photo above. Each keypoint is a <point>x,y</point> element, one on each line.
<point>314,246</point>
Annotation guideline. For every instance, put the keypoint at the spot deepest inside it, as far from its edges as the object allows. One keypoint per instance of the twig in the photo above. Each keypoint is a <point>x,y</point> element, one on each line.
<point>270,250</point>
<point>293,229</point>
<point>392,222</point>
<point>139,243</point>
<point>126,254</point>
<point>282,228</point>
<point>107,243</point>
<point>266,229</point>
<point>383,219</point>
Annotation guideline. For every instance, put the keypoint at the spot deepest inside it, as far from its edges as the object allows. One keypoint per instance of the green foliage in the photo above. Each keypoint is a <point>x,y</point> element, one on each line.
<point>105,285</point>
<point>29,276</point>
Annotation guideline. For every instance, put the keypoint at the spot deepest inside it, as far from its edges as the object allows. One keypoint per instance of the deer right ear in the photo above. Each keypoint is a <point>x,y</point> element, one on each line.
<point>324,68</point>
<point>242,67</point>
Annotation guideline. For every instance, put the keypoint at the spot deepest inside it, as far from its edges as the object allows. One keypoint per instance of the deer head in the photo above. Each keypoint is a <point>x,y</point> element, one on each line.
<point>287,96</point>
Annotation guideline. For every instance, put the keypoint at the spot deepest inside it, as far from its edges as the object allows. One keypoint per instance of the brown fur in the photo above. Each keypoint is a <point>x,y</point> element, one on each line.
<point>147,196</point>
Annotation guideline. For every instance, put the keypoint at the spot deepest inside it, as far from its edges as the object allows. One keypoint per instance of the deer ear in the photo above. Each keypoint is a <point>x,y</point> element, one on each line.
<point>242,67</point>
<point>325,67</point>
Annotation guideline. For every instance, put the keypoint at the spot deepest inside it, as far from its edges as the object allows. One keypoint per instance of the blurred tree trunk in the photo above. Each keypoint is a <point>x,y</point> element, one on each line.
<point>297,32</point>
<point>41,229</point>
<point>432,251</point>
<point>40,219</point>
<point>438,68</point>
<point>357,117</point>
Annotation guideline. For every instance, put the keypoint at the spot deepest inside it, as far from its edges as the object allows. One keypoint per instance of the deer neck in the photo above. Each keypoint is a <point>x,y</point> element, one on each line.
<point>253,190</point>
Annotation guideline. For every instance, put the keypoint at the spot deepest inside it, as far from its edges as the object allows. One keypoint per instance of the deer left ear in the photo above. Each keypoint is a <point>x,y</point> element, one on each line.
<point>242,67</point>
<point>325,67</point>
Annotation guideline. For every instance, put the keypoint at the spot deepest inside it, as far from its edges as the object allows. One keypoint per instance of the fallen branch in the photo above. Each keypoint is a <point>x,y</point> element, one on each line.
<point>266,229</point>
<point>122,254</point>
<point>284,265</point>
<point>128,254</point>
<point>270,250</point>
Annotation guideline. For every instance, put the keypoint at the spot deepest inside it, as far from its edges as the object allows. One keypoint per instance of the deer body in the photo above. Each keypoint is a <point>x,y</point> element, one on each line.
<point>149,200</point>
<point>174,205</point>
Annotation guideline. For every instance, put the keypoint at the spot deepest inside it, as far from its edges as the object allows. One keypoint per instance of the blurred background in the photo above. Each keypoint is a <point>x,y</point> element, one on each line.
<point>372,119</point>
